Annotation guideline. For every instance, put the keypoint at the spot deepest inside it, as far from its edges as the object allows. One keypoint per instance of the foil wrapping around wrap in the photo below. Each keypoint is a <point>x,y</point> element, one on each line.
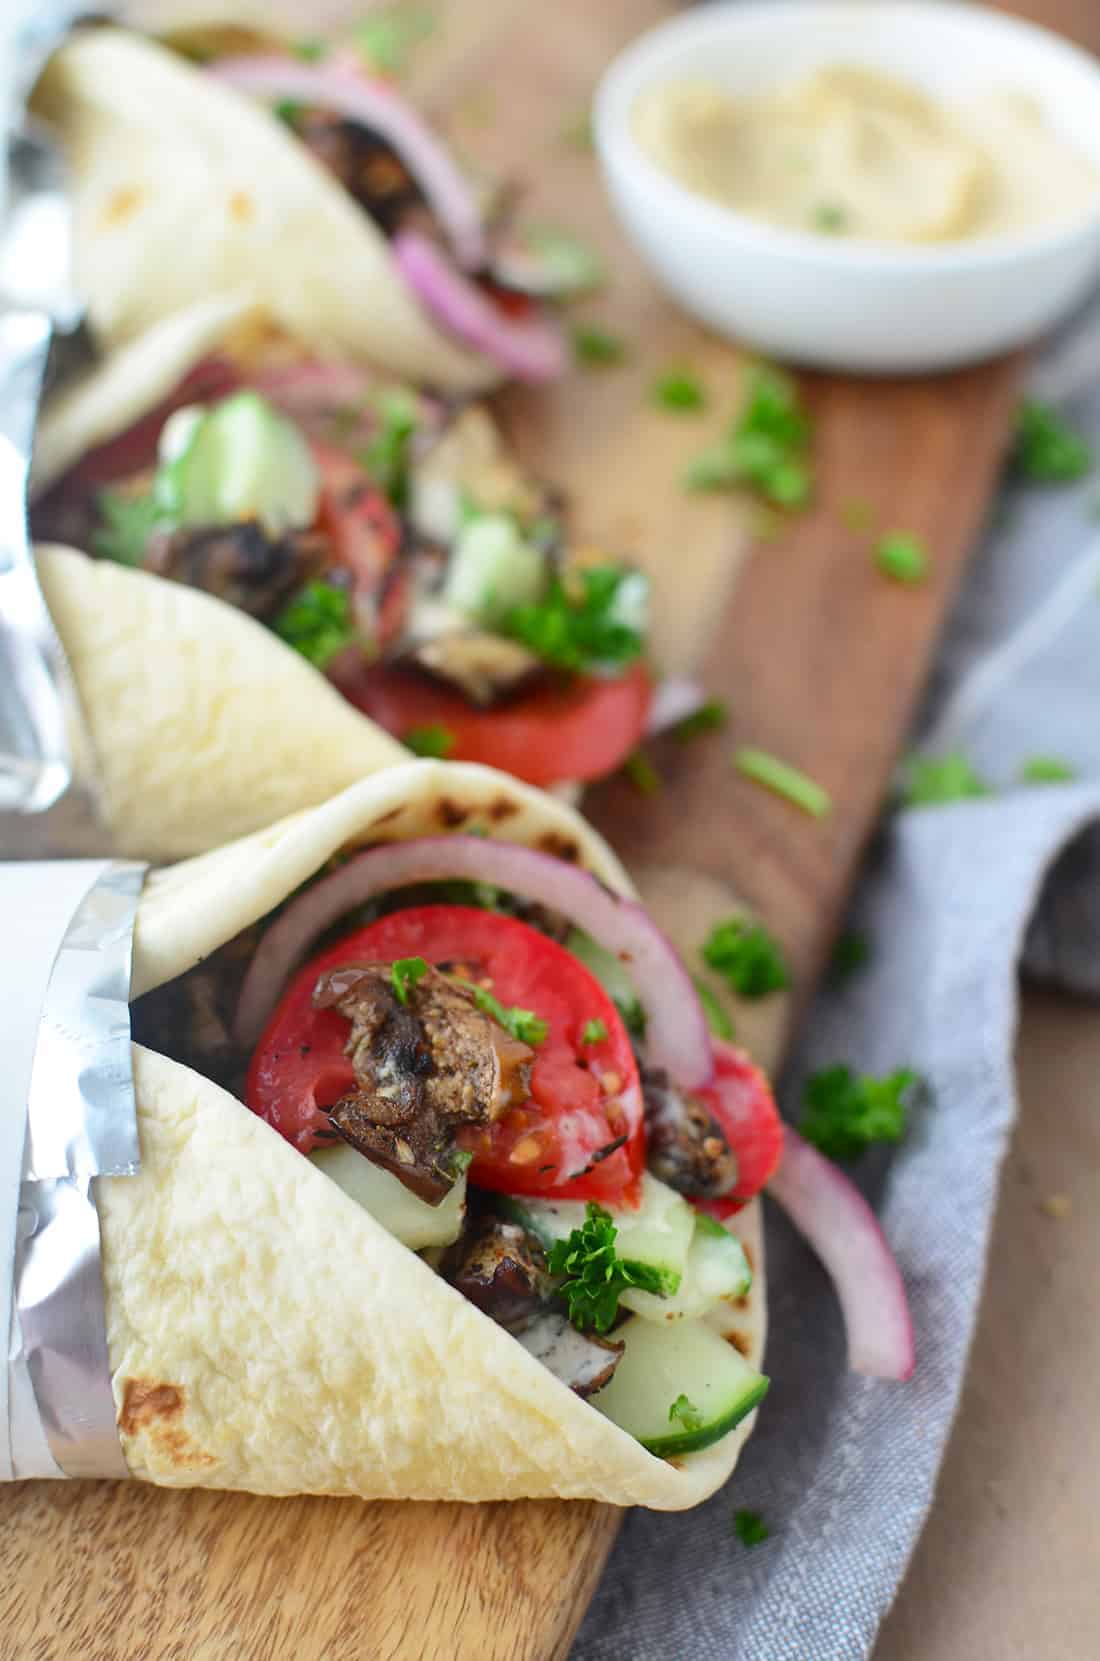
<point>67,1117</point>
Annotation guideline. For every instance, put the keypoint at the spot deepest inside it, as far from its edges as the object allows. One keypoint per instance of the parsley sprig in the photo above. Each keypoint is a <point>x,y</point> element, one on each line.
<point>594,1274</point>
<point>765,448</point>
<point>432,740</point>
<point>591,619</point>
<point>523,1024</point>
<point>594,1032</point>
<point>932,781</point>
<point>1048,450</point>
<point>747,956</point>
<point>750,1527</point>
<point>387,454</point>
<point>685,1412</point>
<point>317,622</point>
<point>405,976</point>
<point>846,1113</point>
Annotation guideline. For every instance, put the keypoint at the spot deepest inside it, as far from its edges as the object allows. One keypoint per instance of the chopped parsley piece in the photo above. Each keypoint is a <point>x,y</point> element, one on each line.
<point>679,389</point>
<point>786,781</point>
<point>856,514</point>
<point>288,110</point>
<point>931,781</point>
<point>850,953</point>
<point>632,1015</point>
<point>310,51</point>
<point>1048,450</point>
<point>570,266</point>
<point>830,216</point>
<point>750,1528</point>
<point>595,1275</point>
<point>747,956</point>
<point>686,1413</point>
<point>523,1024</point>
<point>594,1032</point>
<point>432,740</point>
<point>765,448</point>
<point>317,622</point>
<point>126,524</point>
<point>1046,770</point>
<point>577,132</point>
<point>389,36</point>
<point>717,1019</point>
<point>845,1113</point>
<point>592,618</point>
<point>386,456</point>
<point>709,717</point>
<point>642,773</point>
<point>902,557</point>
<point>405,974</point>
<point>595,347</point>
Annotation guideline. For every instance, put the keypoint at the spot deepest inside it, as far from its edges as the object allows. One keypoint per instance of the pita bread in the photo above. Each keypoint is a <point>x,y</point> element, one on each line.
<point>202,724</point>
<point>264,1332</point>
<point>185,190</point>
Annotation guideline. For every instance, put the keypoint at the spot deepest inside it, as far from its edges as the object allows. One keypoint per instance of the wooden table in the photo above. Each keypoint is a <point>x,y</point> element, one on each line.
<point>821,660</point>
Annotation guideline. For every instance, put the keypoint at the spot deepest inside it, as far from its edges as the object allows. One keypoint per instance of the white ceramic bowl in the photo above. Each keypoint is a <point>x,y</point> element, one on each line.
<point>848,304</point>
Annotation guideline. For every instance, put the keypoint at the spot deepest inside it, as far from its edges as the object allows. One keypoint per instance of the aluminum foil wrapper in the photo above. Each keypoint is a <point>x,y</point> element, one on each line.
<point>67,1117</point>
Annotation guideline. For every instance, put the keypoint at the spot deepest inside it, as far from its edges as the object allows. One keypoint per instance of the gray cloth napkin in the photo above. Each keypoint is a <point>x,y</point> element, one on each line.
<point>843,1468</point>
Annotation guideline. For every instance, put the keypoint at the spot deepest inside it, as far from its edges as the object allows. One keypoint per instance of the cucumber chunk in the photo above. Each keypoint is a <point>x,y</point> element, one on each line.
<point>411,1220</point>
<point>240,459</point>
<point>662,1363</point>
<point>658,1233</point>
<point>493,569</point>
<point>716,1270</point>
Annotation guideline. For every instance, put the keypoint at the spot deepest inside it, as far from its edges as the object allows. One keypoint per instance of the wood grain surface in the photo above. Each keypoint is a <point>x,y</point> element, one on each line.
<point>821,660</point>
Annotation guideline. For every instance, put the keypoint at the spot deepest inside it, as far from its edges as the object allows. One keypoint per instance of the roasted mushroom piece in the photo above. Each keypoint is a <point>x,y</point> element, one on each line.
<point>366,166</point>
<point>425,1065</point>
<point>485,667</point>
<point>581,1360</point>
<point>239,563</point>
<point>685,1143</point>
<point>501,1268</point>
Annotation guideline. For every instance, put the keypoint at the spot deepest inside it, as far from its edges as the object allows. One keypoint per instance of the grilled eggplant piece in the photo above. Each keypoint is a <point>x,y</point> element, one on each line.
<point>424,1068</point>
<point>686,1147</point>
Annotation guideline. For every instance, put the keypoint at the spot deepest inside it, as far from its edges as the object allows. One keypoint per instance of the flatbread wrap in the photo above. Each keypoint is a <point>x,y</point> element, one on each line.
<point>315,185</point>
<point>389,537</point>
<point>267,1330</point>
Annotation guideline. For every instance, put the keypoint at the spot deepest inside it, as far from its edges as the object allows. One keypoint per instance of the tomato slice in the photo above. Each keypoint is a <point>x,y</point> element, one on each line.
<point>576,727</point>
<point>741,1100</point>
<point>584,1097</point>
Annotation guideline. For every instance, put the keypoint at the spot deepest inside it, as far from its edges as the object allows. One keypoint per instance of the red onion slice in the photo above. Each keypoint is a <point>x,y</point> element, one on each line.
<point>843,1230</point>
<point>377,105</point>
<point>677,1035</point>
<point>530,348</point>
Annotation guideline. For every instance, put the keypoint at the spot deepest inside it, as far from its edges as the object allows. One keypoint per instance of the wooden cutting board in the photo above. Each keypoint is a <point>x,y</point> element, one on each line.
<point>820,659</point>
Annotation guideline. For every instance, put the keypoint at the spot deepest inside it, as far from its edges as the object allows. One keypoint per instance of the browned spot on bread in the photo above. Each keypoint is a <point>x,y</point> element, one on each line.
<point>451,814</point>
<point>386,818</point>
<point>121,205</point>
<point>562,847</point>
<point>741,1342</point>
<point>145,1404</point>
<point>153,1409</point>
<point>502,809</point>
<point>241,207</point>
